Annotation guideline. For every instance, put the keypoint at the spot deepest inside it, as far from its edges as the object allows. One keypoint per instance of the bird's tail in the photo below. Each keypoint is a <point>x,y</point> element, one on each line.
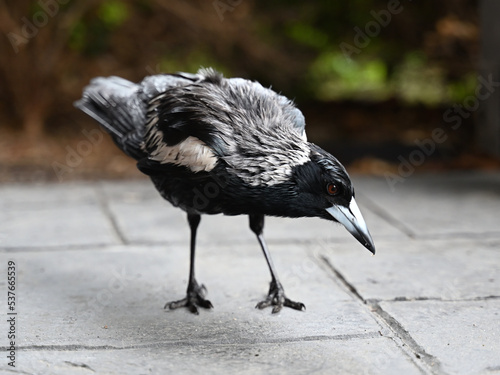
<point>116,104</point>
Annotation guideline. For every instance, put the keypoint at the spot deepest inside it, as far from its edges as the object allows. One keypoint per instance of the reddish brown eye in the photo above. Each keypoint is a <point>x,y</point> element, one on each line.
<point>332,189</point>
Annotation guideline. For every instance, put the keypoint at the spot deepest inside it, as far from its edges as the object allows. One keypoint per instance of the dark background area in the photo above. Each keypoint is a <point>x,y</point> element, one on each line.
<point>372,77</point>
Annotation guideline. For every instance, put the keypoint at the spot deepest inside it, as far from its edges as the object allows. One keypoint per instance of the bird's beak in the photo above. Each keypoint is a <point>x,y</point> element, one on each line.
<point>351,218</point>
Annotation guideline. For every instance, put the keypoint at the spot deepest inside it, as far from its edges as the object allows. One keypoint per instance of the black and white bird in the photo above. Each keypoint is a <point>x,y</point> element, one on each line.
<point>187,131</point>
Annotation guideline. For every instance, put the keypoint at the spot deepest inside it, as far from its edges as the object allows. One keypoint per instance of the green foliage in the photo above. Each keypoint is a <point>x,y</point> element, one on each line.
<point>90,35</point>
<point>307,35</point>
<point>458,90</point>
<point>333,77</point>
<point>113,13</point>
<point>415,81</point>
<point>78,36</point>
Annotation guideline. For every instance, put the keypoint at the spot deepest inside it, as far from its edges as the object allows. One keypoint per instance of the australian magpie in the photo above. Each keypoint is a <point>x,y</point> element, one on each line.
<point>187,131</point>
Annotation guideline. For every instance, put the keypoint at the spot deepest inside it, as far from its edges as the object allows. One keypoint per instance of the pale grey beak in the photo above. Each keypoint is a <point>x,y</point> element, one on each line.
<point>351,218</point>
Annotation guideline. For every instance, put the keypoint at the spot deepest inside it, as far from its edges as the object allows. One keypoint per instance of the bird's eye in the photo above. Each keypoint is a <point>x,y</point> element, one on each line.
<point>332,189</point>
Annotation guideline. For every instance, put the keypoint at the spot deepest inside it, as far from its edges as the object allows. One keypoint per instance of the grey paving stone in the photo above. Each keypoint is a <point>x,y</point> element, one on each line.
<point>101,305</point>
<point>433,205</point>
<point>336,356</point>
<point>464,336</point>
<point>130,191</point>
<point>150,221</point>
<point>116,296</point>
<point>445,269</point>
<point>55,225</point>
<point>46,195</point>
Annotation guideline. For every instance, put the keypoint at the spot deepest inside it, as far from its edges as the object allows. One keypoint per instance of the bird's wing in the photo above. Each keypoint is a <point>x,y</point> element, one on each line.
<point>176,129</point>
<point>194,125</point>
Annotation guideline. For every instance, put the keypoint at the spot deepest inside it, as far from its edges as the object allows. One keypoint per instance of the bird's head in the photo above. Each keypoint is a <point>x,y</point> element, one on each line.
<point>326,190</point>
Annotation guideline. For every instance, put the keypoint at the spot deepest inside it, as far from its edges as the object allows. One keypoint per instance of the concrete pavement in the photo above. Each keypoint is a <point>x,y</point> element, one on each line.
<point>95,263</point>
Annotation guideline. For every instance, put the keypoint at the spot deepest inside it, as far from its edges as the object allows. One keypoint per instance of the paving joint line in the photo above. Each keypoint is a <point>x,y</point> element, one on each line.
<point>384,215</point>
<point>51,248</point>
<point>416,299</point>
<point>166,344</point>
<point>486,236</point>
<point>103,204</point>
<point>424,361</point>
<point>432,363</point>
<point>146,243</point>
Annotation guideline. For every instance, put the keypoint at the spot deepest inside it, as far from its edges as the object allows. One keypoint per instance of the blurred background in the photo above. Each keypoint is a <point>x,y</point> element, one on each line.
<point>373,78</point>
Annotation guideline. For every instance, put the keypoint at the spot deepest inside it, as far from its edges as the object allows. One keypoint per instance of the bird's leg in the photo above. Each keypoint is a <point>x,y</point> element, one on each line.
<point>195,293</point>
<point>276,296</point>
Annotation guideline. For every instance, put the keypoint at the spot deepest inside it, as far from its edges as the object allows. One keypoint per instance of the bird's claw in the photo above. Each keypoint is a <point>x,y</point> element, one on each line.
<point>277,298</point>
<point>279,305</point>
<point>194,299</point>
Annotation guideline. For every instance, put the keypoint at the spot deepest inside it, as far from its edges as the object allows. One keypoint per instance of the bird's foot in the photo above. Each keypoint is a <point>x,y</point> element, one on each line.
<point>194,299</point>
<point>276,297</point>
